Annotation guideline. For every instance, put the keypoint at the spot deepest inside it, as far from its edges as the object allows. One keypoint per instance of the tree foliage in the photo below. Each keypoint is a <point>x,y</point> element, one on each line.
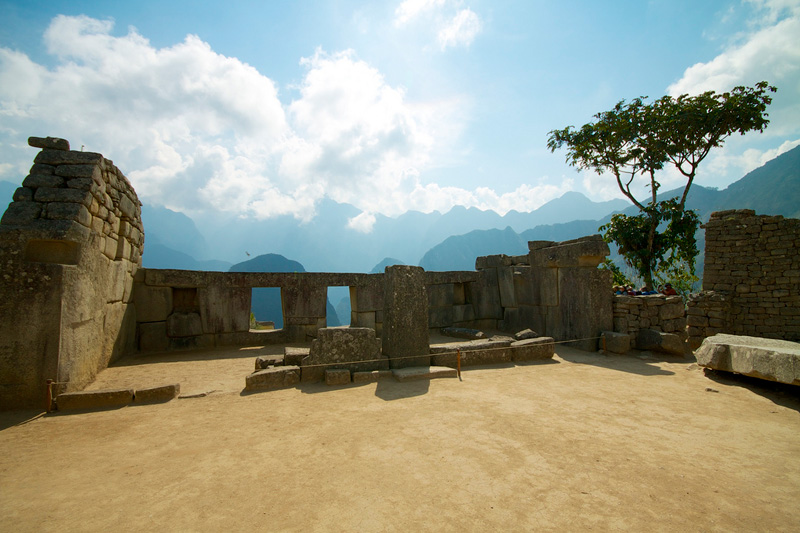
<point>638,139</point>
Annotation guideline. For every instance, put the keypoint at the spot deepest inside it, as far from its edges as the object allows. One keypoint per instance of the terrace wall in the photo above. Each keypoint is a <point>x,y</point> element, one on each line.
<point>751,282</point>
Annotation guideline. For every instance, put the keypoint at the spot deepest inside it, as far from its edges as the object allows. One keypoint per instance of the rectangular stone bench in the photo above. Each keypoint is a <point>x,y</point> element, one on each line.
<point>279,377</point>
<point>101,399</point>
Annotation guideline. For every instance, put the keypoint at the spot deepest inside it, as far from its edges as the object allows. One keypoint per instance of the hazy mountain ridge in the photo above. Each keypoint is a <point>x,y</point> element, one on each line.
<point>772,189</point>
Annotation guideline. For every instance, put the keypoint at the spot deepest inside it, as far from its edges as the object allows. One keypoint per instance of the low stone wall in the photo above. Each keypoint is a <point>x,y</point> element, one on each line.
<point>666,314</point>
<point>751,282</point>
<point>70,244</point>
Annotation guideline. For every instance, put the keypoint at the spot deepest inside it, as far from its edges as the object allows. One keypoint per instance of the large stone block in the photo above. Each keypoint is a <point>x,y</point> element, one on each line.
<point>153,336</point>
<point>356,349</point>
<point>584,252</point>
<point>224,309</point>
<point>102,399</point>
<point>184,325</point>
<point>441,295</point>
<point>304,301</point>
<point>153,304</point>
<point>273,378</point>
<point>615,342</point>
<point>405,321</point>
<point>533,349</point>
<point>367,297</point>
<point>657,341</point>
<point>770,359</point>
<point>485,296</point>
<point>337,377</point>
<point>160,394</point>
<point>505,283</point>
<point>585,307</point>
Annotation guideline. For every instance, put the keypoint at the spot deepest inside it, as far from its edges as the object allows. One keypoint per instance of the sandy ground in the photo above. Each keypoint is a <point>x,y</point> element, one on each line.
<point>582,442</point>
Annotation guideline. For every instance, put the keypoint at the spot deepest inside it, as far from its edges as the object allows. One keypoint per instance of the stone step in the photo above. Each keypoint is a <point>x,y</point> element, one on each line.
<point>412,373</point>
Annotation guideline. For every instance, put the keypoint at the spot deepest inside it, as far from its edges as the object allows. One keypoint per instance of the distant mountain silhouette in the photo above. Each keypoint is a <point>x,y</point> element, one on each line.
<point>266,301</point>
<point>380,268</point>
<point>160,256</point>
<point>772,189</point>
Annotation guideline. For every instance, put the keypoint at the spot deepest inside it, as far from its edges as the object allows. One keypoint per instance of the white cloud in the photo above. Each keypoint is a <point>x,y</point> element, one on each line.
<point>202,133</point>
<point>461,30</point>
<point>410,9</point>
<point>362,223</point>
<point>452,25</point>
<point>771,52</point>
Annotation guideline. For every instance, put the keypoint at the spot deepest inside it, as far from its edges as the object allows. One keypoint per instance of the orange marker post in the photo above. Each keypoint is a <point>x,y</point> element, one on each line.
<point>458,363</point>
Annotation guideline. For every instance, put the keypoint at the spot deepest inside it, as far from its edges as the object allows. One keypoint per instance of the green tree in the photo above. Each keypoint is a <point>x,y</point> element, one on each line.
<point>638,139</point>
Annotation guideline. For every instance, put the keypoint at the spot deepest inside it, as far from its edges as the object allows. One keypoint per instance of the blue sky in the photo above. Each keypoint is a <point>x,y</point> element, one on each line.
<point>258,109</point>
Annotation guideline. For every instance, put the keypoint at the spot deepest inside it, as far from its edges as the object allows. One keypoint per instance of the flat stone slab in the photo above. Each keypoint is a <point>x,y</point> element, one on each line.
<point>273,378</point>
<point>100,399</point>
<point>493,351</point>
<point>770,359</point>
<point>294,356</point>
<point>337,377</point>
<point>266,361</point>
<point>533,349</point>
<point>463,333</point>
<point>160,394</point>
<point>413,373</point>
<point>370,377</point>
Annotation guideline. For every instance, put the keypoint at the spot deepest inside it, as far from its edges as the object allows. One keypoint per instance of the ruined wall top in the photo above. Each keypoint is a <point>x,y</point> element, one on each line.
<point>67,190</point>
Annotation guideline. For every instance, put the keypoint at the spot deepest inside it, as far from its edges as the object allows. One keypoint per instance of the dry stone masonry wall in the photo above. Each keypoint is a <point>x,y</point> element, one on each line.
<point>751,283</point>
<point>70,244</point>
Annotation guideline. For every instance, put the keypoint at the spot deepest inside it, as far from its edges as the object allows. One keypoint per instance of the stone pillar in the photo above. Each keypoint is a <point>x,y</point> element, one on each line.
<point>405,323</point>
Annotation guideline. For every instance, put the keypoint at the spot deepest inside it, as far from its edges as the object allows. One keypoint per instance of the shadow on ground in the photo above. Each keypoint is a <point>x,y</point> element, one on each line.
<point>778,393</point>
<point>641,363</point>
<point>389,389</point>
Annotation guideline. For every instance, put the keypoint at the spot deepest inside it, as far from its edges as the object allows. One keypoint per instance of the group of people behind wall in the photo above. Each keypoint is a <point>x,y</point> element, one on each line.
<point>667,289</point>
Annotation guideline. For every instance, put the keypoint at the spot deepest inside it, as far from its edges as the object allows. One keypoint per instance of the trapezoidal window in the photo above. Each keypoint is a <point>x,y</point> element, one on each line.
<point>266,309</point>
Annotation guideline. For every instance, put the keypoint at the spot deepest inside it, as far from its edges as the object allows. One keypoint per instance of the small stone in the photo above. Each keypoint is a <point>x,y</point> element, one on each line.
<point>52,143</point>
<point>525,334</point>
<point>337,377</point>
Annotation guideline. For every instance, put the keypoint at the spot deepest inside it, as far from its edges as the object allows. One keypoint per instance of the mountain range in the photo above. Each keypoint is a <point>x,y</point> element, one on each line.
<point>435,241</point>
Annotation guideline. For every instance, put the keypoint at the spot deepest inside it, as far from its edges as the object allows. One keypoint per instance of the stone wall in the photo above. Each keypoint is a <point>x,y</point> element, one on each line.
<point>555,290</point>
<point>180,309</point>
<point>73,296</point>
<point>751,282</point>
<point>661,313</point>
<point>70,244</point>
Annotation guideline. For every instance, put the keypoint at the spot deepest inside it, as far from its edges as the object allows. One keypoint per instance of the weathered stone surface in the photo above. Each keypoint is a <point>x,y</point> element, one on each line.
<point>102,399</point>
<point>49,194</point>
<point>525,334</point>
<point>337,377</point>
<point>369,377</point>
<point>35,181</point>
<point>68,211</point>
<point>294,356</point>
<point>356,349</point>
<point>23,194</point>
<point>405,321</point>
<point>463,333</point>
<point>72,157</point>
<point>413,373</point>
<point>278,377</point>
<point>473,353</point>
<point>657,341</point>
<point>160,394</point>
<point>153,304</point>
<point>20,213</point>
<point>266,361</point>
<point>52,143</point>
<point>770,359</point>
<point>184,325</point>
<point>441,295</point>
<point>615,342</point>
<point>224,308</point>
<point>584,252</point>
<point>153,337</point>
<point>533,349</point>
<point>80,171</point>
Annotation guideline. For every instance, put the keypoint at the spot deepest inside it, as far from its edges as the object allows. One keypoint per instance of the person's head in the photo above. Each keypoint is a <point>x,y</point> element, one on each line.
<point>667,286</point>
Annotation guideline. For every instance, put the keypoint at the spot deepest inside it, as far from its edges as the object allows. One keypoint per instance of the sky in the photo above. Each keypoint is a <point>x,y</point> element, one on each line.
<point>259,109</point>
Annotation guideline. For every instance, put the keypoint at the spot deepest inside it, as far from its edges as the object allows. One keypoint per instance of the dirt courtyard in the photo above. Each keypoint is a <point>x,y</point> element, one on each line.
<point>584,441</point>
